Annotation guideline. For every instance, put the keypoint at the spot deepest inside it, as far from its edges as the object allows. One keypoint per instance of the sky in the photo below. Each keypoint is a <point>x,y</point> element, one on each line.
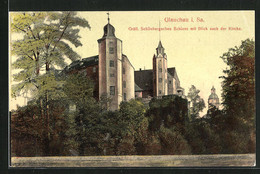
<point>194,53</point>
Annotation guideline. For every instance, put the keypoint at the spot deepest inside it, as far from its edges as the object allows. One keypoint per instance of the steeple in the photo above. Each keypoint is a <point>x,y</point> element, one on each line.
<point>160,49</point>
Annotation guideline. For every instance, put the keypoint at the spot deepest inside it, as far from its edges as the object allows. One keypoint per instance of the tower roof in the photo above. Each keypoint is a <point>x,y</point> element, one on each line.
<point>160,49</point>
<point>213,95</point>
<point>109,30</point>
<point>160,45</point>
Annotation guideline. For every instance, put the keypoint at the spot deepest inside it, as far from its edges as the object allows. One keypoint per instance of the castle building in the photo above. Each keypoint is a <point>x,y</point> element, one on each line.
<point>115,77</point>
<point>213,99</point>
<point>111,70</point>
<point>159,81</point>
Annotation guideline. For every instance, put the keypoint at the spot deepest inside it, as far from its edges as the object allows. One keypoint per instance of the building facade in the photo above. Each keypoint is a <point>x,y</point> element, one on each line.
<point>115,77</point>
<point>159,81</point>
<point>111,70</point>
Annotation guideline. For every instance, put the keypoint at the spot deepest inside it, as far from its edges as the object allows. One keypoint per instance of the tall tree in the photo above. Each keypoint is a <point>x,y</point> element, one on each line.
<point>239,96</point>
<point>239,81</point>
<point>196,102</point>
<point>47,40</point>
<point>44,44</point>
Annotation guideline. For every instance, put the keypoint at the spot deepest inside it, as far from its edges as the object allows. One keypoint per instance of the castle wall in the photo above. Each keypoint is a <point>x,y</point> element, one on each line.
<point>102,68</point>
<point>128,80</point>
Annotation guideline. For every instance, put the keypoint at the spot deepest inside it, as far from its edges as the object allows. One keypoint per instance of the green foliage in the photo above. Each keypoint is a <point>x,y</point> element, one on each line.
<point>239,81</point>
<point>173,142</point>
<point>28,128</point>
<point>168,111</point>
<point>239,96</point>
<point>44,44</point>
<point>197,103</point>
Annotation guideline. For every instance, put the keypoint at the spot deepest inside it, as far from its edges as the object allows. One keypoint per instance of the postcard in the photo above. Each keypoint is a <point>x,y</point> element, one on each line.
<point>132,88</point>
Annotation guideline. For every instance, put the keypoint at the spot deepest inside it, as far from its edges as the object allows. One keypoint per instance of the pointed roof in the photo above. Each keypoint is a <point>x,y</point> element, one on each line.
<point>160,45</point>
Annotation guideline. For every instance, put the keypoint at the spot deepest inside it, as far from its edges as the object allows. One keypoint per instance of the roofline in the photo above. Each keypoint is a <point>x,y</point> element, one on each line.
<point>123,55</point>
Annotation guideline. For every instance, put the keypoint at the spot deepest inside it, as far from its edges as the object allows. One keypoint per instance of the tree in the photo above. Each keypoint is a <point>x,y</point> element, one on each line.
<point>134,126</point>
<point>239,82</point>
<point>46,43</point>
<point>239,97</point>
<point>79,93</point>
<point>197,103</point>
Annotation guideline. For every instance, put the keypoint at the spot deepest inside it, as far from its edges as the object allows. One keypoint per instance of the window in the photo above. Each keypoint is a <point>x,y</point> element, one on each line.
<point>124,96</point>
<point>160,92</point>
<point>112,75</point>
<point>112,90</point>
<point>123,70</point>
<point>94,69</point>
<point>124,84</point>
<point>112,63</point>
<point>160,80</point>
<point>111,50</point>
<point>170,82</point>
<point>160,69</point>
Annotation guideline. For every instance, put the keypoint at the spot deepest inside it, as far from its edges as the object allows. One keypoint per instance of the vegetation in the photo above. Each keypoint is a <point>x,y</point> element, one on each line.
<point>197,103</point>
<point>65,119</point>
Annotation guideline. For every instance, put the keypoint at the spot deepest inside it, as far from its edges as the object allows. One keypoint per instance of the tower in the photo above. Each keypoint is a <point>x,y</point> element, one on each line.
<point>213,99</point>
<point>110,67</point>
<point>160,72</point>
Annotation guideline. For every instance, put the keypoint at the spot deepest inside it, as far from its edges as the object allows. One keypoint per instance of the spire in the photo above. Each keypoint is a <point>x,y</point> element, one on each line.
<point>108,17</point>
<point>159,30</point>
<point>160,49</point>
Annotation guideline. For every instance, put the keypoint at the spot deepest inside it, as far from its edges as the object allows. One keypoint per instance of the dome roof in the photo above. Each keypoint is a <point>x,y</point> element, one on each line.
<point>109,30</point>
<point>213,96</point>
